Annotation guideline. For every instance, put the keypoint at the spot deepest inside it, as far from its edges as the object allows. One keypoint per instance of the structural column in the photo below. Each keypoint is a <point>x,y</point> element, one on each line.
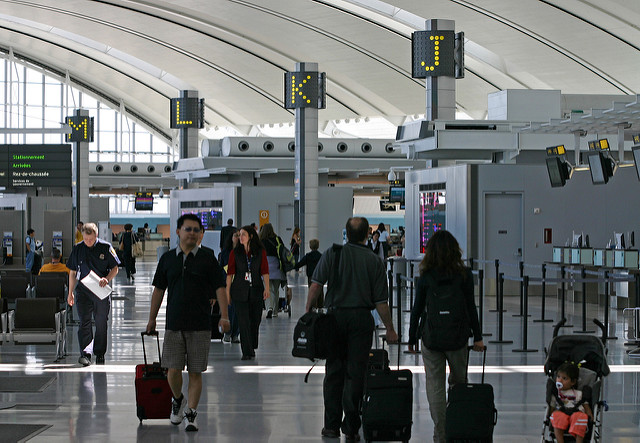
<point>304,92</point>
<point>80,176</point>
<point>441,89</point>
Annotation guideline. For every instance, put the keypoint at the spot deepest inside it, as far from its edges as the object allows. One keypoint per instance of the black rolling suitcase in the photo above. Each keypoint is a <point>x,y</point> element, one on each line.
<point>387,404</point>
<point>471,411</point>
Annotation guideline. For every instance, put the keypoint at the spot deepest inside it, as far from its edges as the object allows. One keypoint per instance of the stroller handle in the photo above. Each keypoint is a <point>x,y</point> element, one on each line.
<point>557,327</point>
<point>599,324</point>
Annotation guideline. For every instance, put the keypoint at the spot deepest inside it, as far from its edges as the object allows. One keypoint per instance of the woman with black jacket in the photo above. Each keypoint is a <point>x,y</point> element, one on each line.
<point>447,284</point>
<point>248,286</point>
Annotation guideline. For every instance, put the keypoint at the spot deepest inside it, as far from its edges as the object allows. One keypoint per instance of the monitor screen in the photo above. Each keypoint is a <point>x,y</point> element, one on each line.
<point>396,194</point>
<point>636,159</point>
<point>557,170</point>
<point>600,168</point>
<point>144,201</point>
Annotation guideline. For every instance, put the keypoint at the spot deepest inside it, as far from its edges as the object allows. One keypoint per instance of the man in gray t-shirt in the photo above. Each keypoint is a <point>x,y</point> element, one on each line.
<point>356,285</point>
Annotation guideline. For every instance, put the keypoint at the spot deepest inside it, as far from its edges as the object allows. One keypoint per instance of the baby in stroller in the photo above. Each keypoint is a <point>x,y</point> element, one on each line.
<point>574,391</point>
<point>572,410</point>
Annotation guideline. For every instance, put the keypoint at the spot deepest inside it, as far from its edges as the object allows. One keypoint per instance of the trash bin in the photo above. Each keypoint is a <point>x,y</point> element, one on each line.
<point>161,250</point>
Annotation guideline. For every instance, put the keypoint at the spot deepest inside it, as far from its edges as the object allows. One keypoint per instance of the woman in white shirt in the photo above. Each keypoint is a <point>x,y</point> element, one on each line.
<point>384,239</point>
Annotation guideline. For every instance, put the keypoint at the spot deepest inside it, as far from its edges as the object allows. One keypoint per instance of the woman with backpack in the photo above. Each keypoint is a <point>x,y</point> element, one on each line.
<point>271,241</point>
<point>444,316</point>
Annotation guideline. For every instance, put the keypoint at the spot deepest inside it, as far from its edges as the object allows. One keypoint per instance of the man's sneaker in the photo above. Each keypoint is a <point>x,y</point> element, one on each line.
<point>270,313</point>
<point>190,424</point>
<point>177,410</point>
<point>99,359</point>
<point>85,360</point>
<point>226,338</point>
<point>235,339</point>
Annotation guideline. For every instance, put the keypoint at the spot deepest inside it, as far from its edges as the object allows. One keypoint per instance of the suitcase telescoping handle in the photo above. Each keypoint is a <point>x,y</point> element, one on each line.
<point>484,360</point>
<point>384,339</point>
<point>144,351</point>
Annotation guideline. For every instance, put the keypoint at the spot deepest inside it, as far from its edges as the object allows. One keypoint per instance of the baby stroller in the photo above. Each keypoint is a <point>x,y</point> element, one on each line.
<point>591,353</point>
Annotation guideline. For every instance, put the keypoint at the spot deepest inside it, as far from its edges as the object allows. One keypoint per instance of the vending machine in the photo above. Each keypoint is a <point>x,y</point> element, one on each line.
<point>7,248</point>
<point>57,241</point>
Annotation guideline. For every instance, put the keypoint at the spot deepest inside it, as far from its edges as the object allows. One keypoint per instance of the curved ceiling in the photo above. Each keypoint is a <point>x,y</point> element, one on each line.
<point>235,52</point>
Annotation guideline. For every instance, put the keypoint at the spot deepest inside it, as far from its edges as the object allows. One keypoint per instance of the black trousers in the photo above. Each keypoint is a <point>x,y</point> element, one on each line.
<point>91,308</point>
<point>129,262</point>
<point>249,317</point>
<point>344,377</point>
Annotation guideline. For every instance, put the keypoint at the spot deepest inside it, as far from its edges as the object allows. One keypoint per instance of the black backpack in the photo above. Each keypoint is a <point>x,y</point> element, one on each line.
<point>445,324</point>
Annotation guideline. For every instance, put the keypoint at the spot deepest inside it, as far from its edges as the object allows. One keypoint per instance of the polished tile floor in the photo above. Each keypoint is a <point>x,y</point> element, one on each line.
<point>266,400</point>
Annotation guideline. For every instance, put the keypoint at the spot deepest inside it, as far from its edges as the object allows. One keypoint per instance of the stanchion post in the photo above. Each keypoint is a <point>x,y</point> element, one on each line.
<point>471,264</point>
<point>399,306</point>
<point>544,295</point>
<point>583,276</point>
<point>390,277</point>
<point>606,335</point>
<point>481,301</point>
<point>525,331</point>
<point>413,288</point>
<point>563,297</point>
<point>497,266</point>
<point>499,300</point>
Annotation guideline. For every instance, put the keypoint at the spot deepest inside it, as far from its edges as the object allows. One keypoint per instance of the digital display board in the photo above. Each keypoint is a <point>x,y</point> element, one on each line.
<point>432,54</point>
<point>28,166</point>
<point>81,129</point>
<point>187,113</point>
<point>144,201</point>
<point>304,90</point>
<point>396,194</point>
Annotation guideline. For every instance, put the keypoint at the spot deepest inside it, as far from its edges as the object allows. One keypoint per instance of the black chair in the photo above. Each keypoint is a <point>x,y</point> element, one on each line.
<point>37,321</point>
<point>4,318</point>
<point>17,273</point>
<point>13,287</point>
<point>54,285</point>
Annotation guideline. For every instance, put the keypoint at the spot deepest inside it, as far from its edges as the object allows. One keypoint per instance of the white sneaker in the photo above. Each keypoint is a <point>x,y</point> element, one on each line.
<point>190,424</point>
<point>177,410</point>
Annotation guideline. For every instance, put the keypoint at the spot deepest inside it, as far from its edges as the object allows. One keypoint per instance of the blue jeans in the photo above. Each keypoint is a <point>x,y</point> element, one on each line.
<point>29,260</point>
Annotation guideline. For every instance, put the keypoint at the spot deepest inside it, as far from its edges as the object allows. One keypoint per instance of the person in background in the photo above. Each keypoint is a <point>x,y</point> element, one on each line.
<point>97,255</point>
<point>248,287</point>
<point>375,245</point>
<point>194,279</point>
<point>30,243</point>
<point>294,245</point>
<point>127,239</point>
<point>310,260</point>
<point>384,239</point>
<point>359,286</point>
<point>78,238</point>
<point>226,232</point>
<point>55,265</point>
<point>223,258</point>
<point>270,241</point>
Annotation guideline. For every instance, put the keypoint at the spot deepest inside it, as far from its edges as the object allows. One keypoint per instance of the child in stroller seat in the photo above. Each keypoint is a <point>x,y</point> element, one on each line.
<point>572,410</point>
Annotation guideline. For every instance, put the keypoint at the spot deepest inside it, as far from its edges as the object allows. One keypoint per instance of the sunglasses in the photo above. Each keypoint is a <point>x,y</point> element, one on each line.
<point>190,229</point>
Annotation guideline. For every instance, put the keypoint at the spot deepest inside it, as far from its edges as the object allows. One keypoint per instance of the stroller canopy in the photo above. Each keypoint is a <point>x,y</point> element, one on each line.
<point>586,349</point>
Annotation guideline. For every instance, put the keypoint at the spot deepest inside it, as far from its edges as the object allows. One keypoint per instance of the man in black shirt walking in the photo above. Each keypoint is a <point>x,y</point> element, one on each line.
<point>194,279</point>
<point>91,254</point>
<point>357,285</point>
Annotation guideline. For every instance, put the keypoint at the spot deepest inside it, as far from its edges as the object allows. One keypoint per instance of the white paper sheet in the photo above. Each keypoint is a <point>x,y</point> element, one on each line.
<point>92,283</point>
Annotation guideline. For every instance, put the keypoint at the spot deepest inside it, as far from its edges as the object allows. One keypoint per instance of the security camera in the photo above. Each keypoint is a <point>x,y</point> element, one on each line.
<point>160,194</point>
